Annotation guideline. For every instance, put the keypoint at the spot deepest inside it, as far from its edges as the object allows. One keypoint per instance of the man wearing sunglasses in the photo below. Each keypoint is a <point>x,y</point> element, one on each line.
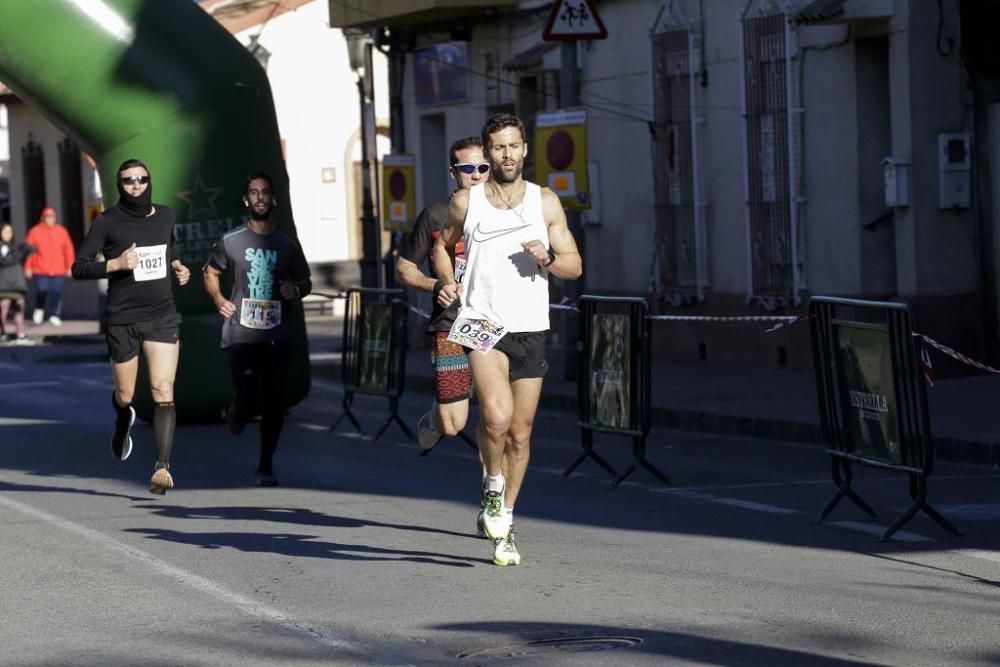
<point>515,236</point>
<point>452,380</point>
<point>136,238</point>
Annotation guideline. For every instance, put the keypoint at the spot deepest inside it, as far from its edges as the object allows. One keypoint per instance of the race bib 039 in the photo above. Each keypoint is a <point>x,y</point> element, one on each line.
<point>260,313</point>
<point>152,263</point>
<point>480,335</point>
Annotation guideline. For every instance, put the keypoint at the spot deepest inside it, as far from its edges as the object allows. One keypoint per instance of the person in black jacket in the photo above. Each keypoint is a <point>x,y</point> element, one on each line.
<point>13,285</point>
<point>137,241</point>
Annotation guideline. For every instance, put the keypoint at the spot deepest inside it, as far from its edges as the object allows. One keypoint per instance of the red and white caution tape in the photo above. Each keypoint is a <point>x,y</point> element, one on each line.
<point>926,365</point>
<point>782,320</point>
<point>957,356</point>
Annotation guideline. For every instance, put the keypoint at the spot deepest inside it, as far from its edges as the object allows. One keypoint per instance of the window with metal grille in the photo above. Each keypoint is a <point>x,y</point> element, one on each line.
<point>771,120</point>
<point>681,273</point>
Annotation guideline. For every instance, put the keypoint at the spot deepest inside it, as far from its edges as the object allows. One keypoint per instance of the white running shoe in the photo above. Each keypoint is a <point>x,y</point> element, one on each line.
<point>505,550</point>
<point>480,525</point>
<point>38,316</point>
<point>496,522</point>
<point>55,321</point>
<point>427,435</point>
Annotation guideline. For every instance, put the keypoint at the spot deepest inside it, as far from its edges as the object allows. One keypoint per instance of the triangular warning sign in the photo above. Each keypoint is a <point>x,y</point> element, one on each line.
<point>574,19</point>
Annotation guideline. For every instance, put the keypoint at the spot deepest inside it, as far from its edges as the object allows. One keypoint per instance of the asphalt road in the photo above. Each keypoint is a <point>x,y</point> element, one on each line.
<point>366,553</point>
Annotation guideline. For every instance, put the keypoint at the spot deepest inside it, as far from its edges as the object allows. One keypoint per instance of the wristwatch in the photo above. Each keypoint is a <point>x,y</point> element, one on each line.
<point>552,257</point>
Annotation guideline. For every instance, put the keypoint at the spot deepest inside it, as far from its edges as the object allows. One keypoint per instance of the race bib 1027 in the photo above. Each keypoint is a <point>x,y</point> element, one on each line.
<point>260,313</point>
<point>152,262</point>
<point>480,335</point>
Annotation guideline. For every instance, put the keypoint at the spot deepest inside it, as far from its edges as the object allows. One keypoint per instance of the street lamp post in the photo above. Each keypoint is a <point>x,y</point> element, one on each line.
<point>359,49</point>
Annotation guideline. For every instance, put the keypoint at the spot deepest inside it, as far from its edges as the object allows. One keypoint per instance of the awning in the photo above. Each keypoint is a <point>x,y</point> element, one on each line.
<point>843,11</point>
<point>531,58</point>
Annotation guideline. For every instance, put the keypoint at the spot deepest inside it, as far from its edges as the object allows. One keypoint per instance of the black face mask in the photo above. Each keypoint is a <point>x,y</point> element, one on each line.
<point>139,206</point>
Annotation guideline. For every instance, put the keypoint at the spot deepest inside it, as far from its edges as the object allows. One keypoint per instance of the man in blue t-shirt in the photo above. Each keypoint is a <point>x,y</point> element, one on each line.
<point>268,269</point>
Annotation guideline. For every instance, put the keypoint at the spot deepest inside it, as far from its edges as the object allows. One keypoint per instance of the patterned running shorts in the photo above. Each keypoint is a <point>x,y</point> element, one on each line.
<point>452,377</point>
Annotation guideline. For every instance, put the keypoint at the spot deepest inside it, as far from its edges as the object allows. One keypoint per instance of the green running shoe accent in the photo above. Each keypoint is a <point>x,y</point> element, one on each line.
<point>495,520</point>
<point>505,550</point>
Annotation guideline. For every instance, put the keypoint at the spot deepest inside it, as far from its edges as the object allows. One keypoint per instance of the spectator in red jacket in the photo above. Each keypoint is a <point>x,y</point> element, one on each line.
<point>49,266</point>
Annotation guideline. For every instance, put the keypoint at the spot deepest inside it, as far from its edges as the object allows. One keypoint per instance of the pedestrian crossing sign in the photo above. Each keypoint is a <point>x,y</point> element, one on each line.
<point>574,20</point>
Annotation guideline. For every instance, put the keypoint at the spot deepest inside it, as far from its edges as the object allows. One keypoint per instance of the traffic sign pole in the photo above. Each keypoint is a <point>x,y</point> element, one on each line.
<point>569,98</point>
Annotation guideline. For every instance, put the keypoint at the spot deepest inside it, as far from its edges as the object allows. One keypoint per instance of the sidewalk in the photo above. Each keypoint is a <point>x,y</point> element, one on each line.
<point>757,402</point>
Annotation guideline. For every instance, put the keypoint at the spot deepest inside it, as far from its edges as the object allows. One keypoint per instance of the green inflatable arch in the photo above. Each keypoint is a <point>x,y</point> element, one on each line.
<point>163,82</point>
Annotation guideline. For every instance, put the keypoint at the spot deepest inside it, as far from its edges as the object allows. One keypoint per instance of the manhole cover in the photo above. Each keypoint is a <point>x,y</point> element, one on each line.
<point>548,646</point>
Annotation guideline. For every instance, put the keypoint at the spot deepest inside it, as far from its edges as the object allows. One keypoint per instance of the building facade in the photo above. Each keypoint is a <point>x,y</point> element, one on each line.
<point>742,154</point>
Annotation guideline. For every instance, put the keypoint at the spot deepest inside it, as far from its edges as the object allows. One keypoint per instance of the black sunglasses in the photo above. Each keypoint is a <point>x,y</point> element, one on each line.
<point>467,168</point>
<point>135,180</point>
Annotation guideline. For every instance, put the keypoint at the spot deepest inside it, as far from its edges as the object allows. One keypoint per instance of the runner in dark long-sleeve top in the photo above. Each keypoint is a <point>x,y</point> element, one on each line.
<point>136,240</point>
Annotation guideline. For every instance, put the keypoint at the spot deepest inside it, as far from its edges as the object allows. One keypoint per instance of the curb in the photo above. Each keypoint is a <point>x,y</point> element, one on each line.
<point>953,450</point>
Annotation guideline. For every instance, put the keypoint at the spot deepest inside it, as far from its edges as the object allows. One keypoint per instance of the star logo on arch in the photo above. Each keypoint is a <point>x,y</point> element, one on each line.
<point>200,199</point>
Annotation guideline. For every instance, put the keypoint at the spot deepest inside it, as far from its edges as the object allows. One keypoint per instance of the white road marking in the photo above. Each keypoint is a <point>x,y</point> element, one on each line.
<point>16,421</point>
<point>244,604</point>
<point>872,529</point>
<point>735,502</point>
<point>104,384</point>
<point>22,385</point>
<point>313,427</point>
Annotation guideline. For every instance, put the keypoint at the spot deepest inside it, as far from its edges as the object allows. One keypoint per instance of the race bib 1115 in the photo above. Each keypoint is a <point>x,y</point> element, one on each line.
<point>260,313</point>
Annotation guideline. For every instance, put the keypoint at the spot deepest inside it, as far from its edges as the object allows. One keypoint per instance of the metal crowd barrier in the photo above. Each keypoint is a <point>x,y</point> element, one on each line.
<point>872,399</point>
<point>373,360</point>
<point>613,379</point>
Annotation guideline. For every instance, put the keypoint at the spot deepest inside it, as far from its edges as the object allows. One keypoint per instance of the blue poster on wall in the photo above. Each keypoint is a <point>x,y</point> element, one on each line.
<point>440,73</point>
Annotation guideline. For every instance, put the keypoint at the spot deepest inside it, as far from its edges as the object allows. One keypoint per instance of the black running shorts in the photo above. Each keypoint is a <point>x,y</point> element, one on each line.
<point>526,354</point>
<point>125,340</point>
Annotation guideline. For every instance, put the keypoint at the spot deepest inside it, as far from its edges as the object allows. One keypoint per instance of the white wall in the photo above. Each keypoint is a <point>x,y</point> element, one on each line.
<point>316,101</point>
<point>933,247</point>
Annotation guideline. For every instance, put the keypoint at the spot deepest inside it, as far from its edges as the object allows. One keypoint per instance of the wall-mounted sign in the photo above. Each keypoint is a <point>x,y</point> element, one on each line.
<point>398,200</point>
<point>561,156</point>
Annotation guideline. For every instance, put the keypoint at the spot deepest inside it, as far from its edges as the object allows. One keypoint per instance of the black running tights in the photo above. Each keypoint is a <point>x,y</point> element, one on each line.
<point>259,372</point>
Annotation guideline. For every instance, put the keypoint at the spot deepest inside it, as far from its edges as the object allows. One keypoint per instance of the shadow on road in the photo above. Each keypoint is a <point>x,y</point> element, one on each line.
<point>293,515</point>
<point>304,546</point>
<point>536,640</point>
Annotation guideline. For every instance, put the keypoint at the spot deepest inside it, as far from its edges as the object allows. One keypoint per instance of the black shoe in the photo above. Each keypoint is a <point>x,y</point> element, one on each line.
<point>236,424</point>
<point>121,439</point>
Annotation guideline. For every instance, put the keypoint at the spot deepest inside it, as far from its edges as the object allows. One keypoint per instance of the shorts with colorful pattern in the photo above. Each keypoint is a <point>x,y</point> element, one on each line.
<point>452,377</point>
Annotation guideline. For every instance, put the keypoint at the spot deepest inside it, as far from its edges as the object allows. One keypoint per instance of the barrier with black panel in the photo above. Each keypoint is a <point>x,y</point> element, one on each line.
<point>613,379</point>
<point>373,360</point>
<point>872,399</point>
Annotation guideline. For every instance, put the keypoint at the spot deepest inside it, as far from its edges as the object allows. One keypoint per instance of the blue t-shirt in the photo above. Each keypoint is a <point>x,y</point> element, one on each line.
<point>258,263</point>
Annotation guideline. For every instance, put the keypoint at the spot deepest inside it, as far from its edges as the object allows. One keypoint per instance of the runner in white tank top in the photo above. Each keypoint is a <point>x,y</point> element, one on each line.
<point>515,236</point>
<point>502,282</point>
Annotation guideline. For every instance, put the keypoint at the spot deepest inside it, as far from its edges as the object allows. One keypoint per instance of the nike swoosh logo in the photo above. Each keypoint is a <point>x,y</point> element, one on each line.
<point>481,236</point>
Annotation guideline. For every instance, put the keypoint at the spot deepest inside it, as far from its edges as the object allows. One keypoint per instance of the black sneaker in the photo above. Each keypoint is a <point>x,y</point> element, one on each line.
<point>236,424</point>
<point>121,440</point>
